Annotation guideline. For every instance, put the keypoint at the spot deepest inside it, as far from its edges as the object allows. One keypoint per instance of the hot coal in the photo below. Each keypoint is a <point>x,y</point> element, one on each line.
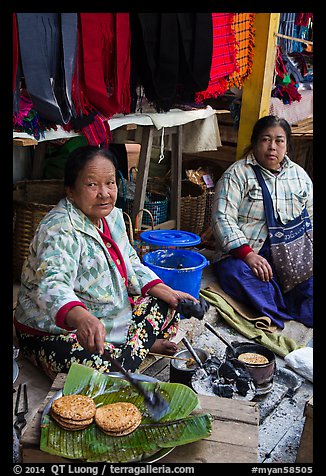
<point>242,384</point>
<point>226,378</point>
<point>223,390</point>
<point>228,371</point>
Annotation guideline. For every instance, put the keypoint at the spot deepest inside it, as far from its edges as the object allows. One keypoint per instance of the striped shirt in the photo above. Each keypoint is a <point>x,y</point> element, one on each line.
<point>238,215</point>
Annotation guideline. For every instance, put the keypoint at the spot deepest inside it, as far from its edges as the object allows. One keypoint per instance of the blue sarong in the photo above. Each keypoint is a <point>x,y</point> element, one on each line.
<point>237,279</point>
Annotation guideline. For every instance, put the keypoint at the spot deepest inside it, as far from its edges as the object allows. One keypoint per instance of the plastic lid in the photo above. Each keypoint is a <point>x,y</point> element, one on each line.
<point>170,238</point>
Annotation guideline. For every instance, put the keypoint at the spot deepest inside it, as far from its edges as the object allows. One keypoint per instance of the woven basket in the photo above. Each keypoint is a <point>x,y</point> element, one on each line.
<point>32,200</point>
<point>193,206</point>
<point>208,207</point>
<point>157,200</point>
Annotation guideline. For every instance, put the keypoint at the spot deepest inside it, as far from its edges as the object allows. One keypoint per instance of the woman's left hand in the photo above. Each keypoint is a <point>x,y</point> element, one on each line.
<point>169,295</point>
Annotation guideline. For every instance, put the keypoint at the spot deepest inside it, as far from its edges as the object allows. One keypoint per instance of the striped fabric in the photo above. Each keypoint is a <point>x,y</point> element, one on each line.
<point>243,25</point>
<point>223,56</point>
<point>98,132</point>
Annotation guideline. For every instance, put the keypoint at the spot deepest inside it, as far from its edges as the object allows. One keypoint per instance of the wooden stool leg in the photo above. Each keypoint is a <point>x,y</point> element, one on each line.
<point>142,175</point>
<point>176,175</point>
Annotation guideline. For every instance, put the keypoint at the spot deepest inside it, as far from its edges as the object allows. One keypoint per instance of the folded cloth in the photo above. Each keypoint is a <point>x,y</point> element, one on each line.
<point>248,313</point>
<point>247,326</point>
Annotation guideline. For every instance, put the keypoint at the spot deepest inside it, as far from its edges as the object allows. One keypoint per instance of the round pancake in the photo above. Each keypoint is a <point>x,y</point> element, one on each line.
<point>74,407</point>
<point>117,417</point>
<point>253,358</point>
<point>72,425</point>
<point>122,433</point>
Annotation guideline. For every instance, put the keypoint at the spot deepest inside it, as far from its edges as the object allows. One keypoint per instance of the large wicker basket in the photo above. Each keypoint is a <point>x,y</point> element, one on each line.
<point>192,209</point>
<point>32,200</point>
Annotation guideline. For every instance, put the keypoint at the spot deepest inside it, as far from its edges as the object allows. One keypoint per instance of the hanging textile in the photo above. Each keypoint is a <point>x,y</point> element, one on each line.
<point>47,45</point>
<point>243,25</point>
<point>171,56</point>
<point>286,27</point>
<point>223,56</point>
<point>287,78</point>
<point>102,79</point>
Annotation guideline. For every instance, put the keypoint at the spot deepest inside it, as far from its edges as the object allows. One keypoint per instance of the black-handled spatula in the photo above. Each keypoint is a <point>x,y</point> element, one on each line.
<point>156,405</point>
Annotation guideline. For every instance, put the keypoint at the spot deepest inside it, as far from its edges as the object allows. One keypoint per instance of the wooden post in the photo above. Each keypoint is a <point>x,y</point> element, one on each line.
<point>257,88</point>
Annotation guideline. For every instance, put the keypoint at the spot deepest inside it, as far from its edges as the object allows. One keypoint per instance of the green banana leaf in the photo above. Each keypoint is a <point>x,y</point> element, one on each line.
<point>177,427</point>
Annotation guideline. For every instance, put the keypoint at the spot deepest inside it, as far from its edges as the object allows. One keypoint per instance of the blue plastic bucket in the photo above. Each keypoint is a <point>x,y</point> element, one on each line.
<point>179,269</point>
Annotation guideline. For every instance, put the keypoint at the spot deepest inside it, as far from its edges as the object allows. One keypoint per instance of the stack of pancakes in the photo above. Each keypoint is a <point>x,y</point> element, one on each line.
<point>73,412</point>
<point>118,419</point>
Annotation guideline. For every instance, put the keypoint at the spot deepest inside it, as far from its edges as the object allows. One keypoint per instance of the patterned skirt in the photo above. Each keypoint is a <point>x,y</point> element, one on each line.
<point>152,319</point>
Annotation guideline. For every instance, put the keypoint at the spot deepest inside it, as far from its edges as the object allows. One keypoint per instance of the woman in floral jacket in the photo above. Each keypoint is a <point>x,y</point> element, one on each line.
<point>83,287</point>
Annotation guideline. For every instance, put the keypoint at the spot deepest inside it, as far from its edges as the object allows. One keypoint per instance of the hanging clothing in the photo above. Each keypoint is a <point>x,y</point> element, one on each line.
<point>171,56</point>
<point>102,79</point>
<point>243,25</point>
<point>223,56</point>
<point>47,44</point>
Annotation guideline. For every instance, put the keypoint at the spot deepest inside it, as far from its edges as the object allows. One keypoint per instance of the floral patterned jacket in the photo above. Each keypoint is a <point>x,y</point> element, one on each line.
<point>67,262</point>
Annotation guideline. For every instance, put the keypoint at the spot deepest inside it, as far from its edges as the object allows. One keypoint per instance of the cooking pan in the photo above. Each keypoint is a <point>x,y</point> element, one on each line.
<point>261,374</point>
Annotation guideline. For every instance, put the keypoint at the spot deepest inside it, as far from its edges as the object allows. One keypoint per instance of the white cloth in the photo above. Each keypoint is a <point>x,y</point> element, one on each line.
<point>200,131</point>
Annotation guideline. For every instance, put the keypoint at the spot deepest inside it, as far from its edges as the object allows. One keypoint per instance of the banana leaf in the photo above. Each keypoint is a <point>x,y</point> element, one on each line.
<point>177,427</point>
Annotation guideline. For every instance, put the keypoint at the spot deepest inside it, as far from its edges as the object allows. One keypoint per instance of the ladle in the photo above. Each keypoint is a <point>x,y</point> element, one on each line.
<point>194,354</point>
<point>217,334</point>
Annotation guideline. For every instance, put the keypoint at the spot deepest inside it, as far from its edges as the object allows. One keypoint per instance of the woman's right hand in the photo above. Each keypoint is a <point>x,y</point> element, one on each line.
<point>89,329</point>
<point>259,266</point>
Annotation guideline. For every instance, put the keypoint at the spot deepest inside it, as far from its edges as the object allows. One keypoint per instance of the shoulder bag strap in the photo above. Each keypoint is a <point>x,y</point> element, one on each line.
<point>268,203</point>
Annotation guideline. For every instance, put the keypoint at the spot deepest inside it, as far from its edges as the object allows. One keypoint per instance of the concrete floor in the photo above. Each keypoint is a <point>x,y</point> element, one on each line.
<point>281,411</point>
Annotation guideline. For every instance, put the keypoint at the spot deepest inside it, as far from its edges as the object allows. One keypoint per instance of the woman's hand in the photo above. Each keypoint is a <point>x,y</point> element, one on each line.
<point>169,295</point>
<point>259,266</point>
<point>89,329</point>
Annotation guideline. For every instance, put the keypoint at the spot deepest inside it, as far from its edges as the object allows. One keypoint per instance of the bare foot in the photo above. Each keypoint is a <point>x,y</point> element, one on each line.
<point>164,346</point>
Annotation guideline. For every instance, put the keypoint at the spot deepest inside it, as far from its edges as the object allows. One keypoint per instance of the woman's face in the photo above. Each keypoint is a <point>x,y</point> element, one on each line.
<point>270,148</point>
<point>95,190</point>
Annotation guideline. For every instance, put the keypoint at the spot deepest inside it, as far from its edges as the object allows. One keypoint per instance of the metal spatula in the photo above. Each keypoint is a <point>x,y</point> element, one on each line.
<point>156,405</point>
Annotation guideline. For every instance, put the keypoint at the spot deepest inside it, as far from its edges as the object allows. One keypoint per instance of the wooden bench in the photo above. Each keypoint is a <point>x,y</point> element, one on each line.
<point>234,437</point>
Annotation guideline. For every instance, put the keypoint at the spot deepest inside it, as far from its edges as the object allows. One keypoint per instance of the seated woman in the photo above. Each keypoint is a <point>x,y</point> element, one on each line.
<point>244,263</point>
<point>83,288</point>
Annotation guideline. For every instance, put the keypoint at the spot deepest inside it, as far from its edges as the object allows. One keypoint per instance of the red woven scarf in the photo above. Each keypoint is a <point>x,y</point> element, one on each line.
<point>102,79</point>
<point>223,56</point>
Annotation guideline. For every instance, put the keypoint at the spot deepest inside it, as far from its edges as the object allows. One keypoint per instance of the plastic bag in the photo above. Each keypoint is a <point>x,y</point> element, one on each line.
<point>301,361</point>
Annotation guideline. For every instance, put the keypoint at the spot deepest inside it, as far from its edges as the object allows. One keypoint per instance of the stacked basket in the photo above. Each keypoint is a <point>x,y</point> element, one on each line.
<point>32,200</point>
<point>193,206</point>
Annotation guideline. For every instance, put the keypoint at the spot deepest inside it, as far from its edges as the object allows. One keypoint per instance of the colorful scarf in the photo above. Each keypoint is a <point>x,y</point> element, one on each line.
<point>243,25</point>
<point>223,56</point>
<point>102,76</point>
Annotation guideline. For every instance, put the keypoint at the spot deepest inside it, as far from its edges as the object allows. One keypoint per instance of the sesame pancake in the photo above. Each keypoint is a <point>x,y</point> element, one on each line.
<point>74,407</point>
<point>118,418</point>
<point>71,424</point>
<point>253,358</point>
<point>122,433</point>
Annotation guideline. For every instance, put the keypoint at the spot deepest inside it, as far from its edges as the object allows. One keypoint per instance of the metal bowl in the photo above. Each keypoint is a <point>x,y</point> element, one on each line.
<point>179,372</point>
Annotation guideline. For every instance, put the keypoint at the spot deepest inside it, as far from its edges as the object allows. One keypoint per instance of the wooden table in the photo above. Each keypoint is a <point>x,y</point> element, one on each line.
<point>234,437</point>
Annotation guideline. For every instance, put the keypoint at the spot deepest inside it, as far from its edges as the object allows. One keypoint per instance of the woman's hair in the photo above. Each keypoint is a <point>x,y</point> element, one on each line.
<point>264,123</point>
<point>79,158</point>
